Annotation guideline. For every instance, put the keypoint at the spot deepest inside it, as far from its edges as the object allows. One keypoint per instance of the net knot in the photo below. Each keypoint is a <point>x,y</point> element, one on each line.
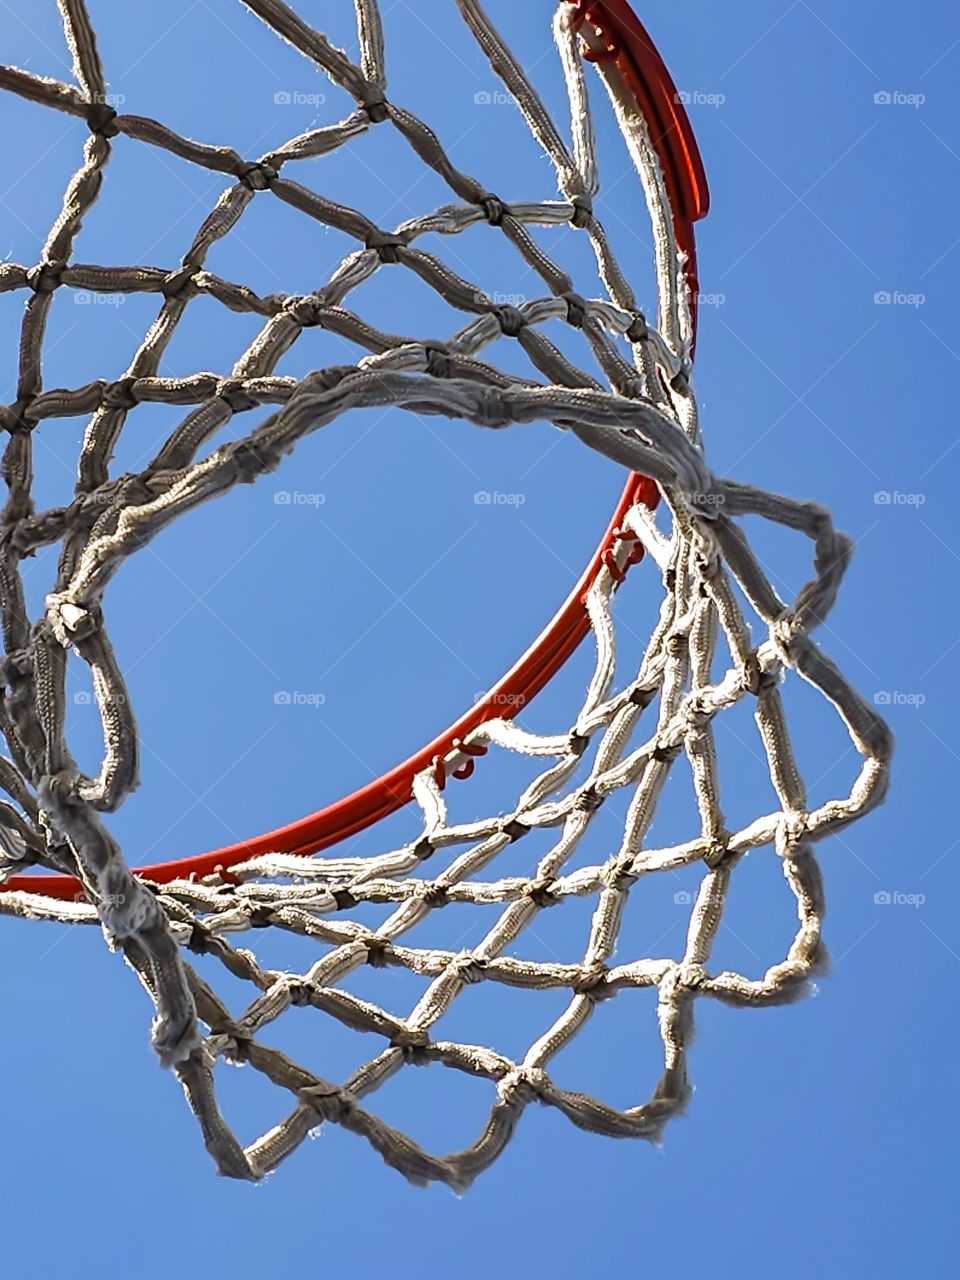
<point>411,1041</point>
<point>642,697</point>
<point>102,119</point>
<point>376,107</point>
<point>423,849</point>
<point>666,752</point>
<point>576,309</point>
<point>690,976</point>
<point>470,969</point>
<point>71,622</point>
<point>258,176</point>
<point>200,938</point>
<point>178,284</point>
<point>416,1055</point>
<point>510,319</point>
<point>618,875</point>
<point>582,216</point>
<point>119,394</point>
<point>329,1102</point>
<point>718,850</point>
<point>592,982</point>
<point>231,391</point>
<point>259,917</point>
<point>434,896</point>
<point>58,791</point>
<point>631,388</point>
<point>754,679</point>
<point>540,892</point>
<point>300,992</point>
<point>694,716</point>
<point>16,417</point>
<point>494,209</point>
<point>386,245</point>
<point>515,829</point>
<point>783,633</point>
<point>439,364</point>
<point>521,1085</point>
<point>376,952</point>
<point>45,276</point>
<point>639,329</point>
<point>589,800</point>
<point>305,310</point>
<point>791,829</point>
<point>236,1041</point>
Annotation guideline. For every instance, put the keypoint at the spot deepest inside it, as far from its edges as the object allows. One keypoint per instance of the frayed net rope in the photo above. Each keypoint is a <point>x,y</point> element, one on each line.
<point>623,739</point>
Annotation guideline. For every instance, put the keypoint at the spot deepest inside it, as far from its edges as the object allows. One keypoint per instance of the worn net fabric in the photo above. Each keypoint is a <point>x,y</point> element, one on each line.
<point>626,735</point>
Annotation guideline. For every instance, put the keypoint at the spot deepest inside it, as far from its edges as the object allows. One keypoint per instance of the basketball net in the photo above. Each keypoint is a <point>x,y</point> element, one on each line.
<point>624,738</point>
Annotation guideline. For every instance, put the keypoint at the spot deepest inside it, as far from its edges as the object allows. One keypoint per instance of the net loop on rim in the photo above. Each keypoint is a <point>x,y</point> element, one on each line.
<point>624,739</point>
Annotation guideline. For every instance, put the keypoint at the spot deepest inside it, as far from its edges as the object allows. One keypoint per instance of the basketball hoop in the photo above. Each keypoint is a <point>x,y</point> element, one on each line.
<point>645,419</point>
<point>622,40</point>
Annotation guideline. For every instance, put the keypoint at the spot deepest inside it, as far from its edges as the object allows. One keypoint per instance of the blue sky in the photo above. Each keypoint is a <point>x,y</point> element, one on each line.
<point>386,598</point>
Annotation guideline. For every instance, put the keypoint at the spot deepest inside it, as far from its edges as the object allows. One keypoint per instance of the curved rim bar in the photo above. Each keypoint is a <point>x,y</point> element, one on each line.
<point>643,70</point>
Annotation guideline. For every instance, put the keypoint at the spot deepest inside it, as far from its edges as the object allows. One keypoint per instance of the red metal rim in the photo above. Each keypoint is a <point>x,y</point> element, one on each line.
<point>644,72</point>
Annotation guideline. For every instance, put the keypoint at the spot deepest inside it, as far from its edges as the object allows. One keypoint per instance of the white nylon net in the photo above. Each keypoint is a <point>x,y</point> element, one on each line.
<point>624,738</point>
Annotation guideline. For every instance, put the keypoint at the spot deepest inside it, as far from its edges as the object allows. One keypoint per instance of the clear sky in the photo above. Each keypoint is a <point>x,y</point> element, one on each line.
<point>381,597</point>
